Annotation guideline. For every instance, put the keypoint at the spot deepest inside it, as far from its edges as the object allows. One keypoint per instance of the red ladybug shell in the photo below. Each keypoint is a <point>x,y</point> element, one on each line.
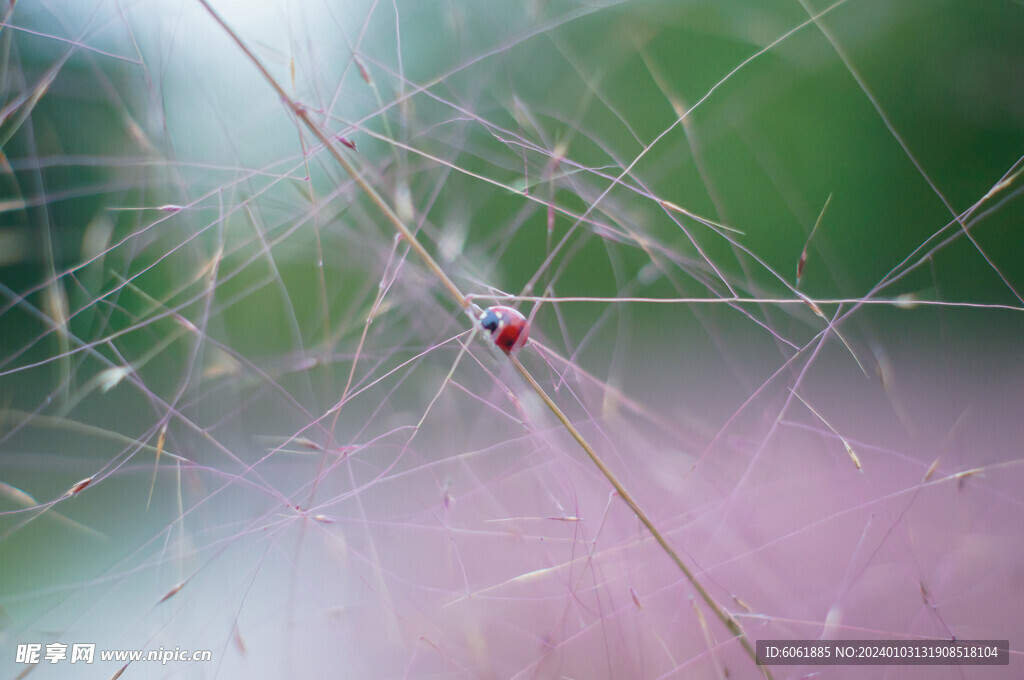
<point>508,328</point>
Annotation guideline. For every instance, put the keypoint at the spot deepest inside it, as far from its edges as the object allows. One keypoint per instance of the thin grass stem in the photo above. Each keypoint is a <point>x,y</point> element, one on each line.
<point>301,113</point>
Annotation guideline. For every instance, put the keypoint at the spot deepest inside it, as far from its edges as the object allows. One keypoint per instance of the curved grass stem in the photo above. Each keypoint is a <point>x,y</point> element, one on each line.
<point>324,138</point>
<point>302,114</point>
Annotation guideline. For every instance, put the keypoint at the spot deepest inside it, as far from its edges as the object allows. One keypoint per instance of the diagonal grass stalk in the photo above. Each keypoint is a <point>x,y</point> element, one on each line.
<point>322,136</point>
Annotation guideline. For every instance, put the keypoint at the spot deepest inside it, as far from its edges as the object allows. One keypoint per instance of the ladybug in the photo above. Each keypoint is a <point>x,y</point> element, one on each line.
<point>508,328</point>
